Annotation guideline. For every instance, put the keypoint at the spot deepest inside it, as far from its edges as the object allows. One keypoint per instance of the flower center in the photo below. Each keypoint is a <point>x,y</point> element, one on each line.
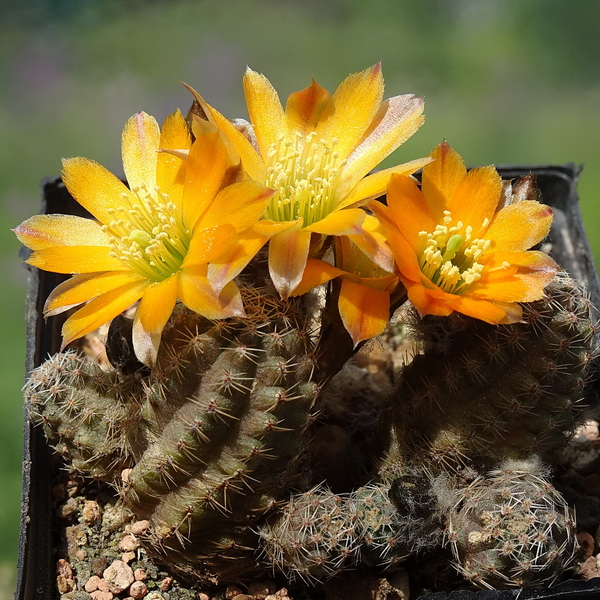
<point>449,256</point>
<point>146,236</point>
<point>305,173</point>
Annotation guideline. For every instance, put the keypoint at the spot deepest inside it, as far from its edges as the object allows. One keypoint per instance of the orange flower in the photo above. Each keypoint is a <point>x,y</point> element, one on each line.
<point>315,155</point>
<point>457,250</point>
<point>182,230</point>
<point>364,300</point>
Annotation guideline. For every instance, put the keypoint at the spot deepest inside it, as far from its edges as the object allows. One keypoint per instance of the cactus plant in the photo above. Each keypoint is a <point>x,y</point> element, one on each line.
<point>208,437</point>
<point>480,393</point>
<point>511,528</point>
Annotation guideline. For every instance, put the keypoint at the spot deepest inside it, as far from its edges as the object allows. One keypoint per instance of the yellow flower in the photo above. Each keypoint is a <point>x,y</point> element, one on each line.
<point>182,230</point>
<point>458,249</point>
<point>315,155</point>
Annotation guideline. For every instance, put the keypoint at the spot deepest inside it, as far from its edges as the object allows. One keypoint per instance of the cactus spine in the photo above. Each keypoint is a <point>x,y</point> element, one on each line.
<point>210,435</point>
<point>480,393</point>
<point>511,528</point>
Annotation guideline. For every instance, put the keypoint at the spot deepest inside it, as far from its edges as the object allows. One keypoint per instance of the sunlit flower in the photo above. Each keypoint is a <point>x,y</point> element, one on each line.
<point>365,290</point>
<point>315,155</point>
<point>458,249</point>
<point>178,225</point>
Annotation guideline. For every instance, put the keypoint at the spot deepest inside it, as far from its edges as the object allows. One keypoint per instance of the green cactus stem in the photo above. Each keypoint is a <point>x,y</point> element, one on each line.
<point>480,393</point>
<point>208,438</point>
<point>511,528</point>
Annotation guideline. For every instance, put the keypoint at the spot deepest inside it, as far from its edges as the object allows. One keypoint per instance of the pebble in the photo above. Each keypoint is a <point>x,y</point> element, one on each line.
<point>138,590</point>
<point>98,565</point>
<point>81,555</point>
<point>91,512</point>
<point>232,591</point>
<point>203,596</point>
<point>103,585</point>
<point>114,517</point>
<point>64,569</point>
<point>400,581</point>
<point>128,544</point>
<point>64,584</point>
<point>119,576</point>
<point>154,596</point>
<point>139,527</point>
<point>165,584</point>
<point>261,589</point>
<point>100,595</point>
<point>92,584</point>
<point>127,557</point>
<point>125,475</point>
<point>589,568</point>
<point>68,509</point>
<point>140,575</point>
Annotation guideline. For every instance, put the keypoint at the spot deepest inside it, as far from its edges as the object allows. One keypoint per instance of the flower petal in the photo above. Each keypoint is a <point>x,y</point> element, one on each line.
<point>101,310</point>
<point>520,226</point>
<point>524,281</point>
<point>206,173</point>
<point>364,310</point>
<point>487,311</point>
<point>46,231</point>
<point>404,254</point>
<point>157,304</point>
<point>303,109</point>
<point>316,273</point>
<point>265,111</point>
<point>208,244</point>
<point>241,204</point>
<point>96,188</point>
<point>76,259</point>
<point>441,178</point>
<point>351,110</point>
<point>409,210</point>
<point>83,287</point>
<point>196,293</point>
<point>340,222</point>
<point>372,242</point>
<point>374,185</point>
<point>476,198</point>
<point>398,118</point>
<point>269,228</point>
<point>424,301</point>
<point>170,168</point>
<point>288,252</point>
<point>230,264</point>
<point>139,146</point>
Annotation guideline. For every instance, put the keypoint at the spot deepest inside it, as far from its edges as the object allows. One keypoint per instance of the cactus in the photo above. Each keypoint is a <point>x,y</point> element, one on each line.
<point>480,393</point>
<point>511,528</point>
<point>209,436</point>
<point>318,534</point>
<point>313,537</point>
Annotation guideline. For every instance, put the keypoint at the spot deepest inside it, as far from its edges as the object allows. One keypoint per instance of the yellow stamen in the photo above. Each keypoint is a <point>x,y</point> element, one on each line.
<point>449,255</point>
<point>146,236</point>
<point>306,173</point>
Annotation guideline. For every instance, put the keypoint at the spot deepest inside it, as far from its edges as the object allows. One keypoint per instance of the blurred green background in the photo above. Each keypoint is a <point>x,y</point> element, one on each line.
<point>505,81</point>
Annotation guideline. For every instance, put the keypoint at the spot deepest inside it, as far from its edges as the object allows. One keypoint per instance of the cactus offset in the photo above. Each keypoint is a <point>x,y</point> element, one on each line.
<point>480,393</point>
<point>210,434</point>
<point>511,528</point>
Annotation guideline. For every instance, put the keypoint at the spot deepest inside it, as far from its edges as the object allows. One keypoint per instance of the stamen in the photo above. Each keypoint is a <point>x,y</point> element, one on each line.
<point>449,255</point>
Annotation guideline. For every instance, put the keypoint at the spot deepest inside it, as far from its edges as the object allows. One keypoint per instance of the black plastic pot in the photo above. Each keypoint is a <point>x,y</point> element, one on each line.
<point>36,579</point>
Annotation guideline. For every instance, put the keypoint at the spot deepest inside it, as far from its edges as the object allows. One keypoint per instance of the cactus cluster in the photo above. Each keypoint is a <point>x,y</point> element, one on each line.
<point>480,393</point>
<point>210,442</point>
<point>208,438</point>
<point>511,527</point>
